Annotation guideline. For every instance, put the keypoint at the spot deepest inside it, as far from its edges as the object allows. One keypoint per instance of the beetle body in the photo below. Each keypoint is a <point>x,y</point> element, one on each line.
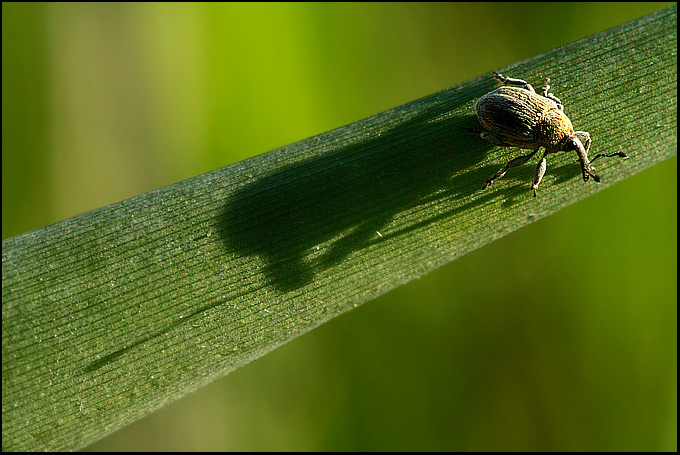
<point>515,115</point>
<point>523,119</point>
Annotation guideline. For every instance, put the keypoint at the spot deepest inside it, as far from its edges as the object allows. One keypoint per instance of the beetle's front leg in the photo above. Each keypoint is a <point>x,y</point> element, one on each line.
<point>512,163</point>
<point>516,82</point>
<point>540,172</point>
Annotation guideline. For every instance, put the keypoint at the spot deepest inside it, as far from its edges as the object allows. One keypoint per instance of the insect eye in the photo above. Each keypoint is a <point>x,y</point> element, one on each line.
<point>572,143</point>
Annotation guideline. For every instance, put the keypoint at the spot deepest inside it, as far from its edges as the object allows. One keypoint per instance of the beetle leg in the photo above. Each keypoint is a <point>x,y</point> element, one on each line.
<point>486,135</point>
<point>510,81</point>
<point>540,172</point>
<point>512,163</point>
<point>550,96</point>
<point>546,87</point>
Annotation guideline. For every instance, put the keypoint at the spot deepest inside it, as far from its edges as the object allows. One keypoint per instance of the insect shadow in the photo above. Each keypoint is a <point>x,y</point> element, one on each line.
<point>343,198</point>
<point>311,215</point>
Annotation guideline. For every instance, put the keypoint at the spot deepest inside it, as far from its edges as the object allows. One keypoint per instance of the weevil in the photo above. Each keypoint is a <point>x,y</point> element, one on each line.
<point>515,115</point>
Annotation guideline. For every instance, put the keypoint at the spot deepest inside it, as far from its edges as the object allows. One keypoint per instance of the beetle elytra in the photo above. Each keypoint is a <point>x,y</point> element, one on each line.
<point>515,115</point>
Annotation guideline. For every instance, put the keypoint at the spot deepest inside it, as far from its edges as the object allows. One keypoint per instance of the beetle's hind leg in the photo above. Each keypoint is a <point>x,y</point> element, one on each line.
<point>516,82</point>
<point>512,163</point>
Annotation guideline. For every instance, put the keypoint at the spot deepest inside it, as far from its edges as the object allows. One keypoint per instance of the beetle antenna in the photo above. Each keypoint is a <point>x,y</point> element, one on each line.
<point>611,155</point>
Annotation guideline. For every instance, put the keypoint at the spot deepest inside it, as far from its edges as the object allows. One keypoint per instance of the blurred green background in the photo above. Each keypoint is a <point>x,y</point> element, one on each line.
<point>560,336</point>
